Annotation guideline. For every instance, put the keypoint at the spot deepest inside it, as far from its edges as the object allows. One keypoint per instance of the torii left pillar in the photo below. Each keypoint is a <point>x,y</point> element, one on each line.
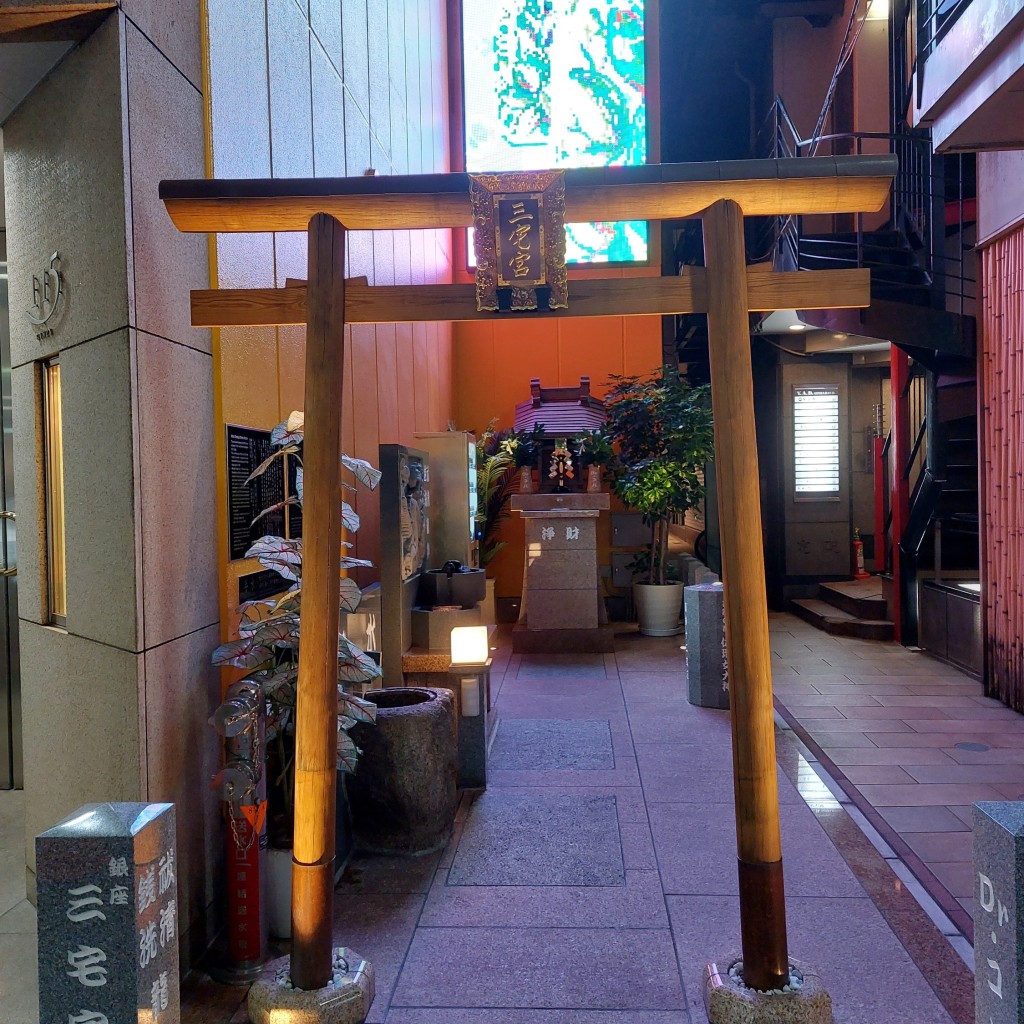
<point>313,960</point>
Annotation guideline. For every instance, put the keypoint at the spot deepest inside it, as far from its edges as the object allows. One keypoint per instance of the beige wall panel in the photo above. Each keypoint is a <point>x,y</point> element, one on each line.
<point>183,753</point>
<point>64,171</point>
<point>178,489</point>
<point>291,256</point>
<point>99,492</point>
<point>239,96</point>
<point>380,101</point>
<point>291,356</point>
<point>248,366</point>
<point>325,20</point>
<point>357,139</point>
<point>80,715</point>
<point>399,106</point>
<point>999,186</point>
<point>173,26</point>
<point>166,125</point>
<point>245,261</point>
<point>28,487</point>
<point>291,116</point>
<point>329,123</point>
<point>356,48</point>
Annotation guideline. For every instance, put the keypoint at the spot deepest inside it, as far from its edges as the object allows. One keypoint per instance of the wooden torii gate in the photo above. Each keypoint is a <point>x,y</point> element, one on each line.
<point>720,194</point>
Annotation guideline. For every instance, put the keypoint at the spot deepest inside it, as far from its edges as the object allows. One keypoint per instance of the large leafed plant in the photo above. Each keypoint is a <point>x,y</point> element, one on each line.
<point>268,634</point>
<point>663,434</point>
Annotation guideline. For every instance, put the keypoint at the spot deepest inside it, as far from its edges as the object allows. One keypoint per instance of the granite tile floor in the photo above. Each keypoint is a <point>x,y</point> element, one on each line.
<point>910,741</point>
<point>616,929</point>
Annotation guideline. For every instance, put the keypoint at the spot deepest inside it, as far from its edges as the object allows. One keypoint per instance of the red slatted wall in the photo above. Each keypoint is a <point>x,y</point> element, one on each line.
<point>1001,399</point>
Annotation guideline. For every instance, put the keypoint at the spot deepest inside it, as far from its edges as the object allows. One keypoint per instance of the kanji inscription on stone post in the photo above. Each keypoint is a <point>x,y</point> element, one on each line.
<point>998,879</point>
<point>108,916</point>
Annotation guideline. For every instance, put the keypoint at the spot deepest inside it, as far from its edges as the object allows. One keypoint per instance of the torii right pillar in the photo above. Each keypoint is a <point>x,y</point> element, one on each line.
<point>758,839</point>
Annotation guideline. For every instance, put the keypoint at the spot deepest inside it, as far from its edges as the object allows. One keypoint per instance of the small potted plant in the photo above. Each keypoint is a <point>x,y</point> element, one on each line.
<point>662,432</point>
<point>524,448</point>
<point>594,450</point>
<point>267,648</point>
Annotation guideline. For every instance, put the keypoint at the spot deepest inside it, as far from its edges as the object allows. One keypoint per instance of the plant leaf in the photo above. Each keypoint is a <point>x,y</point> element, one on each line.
<point>281,555</point>
<point>356,708</point>
<point>360,668</point>
<point>349,519</point>
<point>347,562</point>
<point>351,595</point>
<point>274,508</point>
<point>246,652</point>
<point>348,752</point>
<point>290,449</point>
<point>291,431</point>
<point>362,471</point>
<point>298,484</point>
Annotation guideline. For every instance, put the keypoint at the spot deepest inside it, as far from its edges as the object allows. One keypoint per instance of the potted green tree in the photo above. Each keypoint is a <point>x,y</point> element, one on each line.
<point>662,433</point>
<point>268,649</point>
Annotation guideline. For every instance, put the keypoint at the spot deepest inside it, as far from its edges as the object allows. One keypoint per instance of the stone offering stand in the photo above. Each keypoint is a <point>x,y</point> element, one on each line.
<point>562,608</point>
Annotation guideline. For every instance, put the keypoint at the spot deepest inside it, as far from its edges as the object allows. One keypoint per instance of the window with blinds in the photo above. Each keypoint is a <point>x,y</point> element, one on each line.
<point>53,463</point>
<point>815,443</point>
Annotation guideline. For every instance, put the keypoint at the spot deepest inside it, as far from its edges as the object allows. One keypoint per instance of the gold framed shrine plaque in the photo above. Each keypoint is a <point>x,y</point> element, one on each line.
<point>519,237</point>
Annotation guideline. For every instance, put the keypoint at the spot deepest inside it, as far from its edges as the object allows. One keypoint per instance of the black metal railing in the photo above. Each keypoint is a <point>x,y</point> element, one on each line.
<point>934,19</point>
<point>921,251</point>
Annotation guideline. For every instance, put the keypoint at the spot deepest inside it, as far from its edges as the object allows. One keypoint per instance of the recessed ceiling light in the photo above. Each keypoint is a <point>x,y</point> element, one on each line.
<point>798,327</point>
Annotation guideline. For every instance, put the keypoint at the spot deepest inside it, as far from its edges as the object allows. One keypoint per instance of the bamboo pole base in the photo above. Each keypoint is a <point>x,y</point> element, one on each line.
<point>728,1001</point>
<point>312,890</point>
<point>763,925</point>
<point>345,999</point>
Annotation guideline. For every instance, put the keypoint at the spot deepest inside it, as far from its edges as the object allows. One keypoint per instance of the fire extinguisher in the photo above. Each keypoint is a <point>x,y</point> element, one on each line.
<point>858,556</point>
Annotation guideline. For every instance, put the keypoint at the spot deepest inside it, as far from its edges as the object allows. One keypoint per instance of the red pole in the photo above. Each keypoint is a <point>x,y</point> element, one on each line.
<point>900,370</point>
<point>880,484</point>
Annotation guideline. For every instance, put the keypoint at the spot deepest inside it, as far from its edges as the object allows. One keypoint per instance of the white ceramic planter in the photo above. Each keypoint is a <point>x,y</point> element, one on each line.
<point>279,893</point>
<point>657,608</point>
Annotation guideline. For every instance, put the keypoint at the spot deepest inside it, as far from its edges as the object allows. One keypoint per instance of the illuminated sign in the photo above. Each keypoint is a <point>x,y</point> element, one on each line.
<point>555,84</point>
<point>816,443</point>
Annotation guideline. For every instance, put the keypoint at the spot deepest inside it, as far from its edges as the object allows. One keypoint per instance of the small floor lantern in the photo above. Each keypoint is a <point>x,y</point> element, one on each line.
<point>471,680</point>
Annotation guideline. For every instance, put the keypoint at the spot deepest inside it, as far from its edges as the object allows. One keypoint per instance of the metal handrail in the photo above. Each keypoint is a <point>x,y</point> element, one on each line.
<point>917,198</point>
<point>934,19</point>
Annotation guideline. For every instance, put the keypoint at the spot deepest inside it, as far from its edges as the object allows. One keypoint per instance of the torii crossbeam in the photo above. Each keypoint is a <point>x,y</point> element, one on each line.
<point>720,194</point>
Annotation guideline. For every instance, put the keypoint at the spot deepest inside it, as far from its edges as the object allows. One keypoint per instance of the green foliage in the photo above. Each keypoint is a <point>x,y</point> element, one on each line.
<point>592,447</point>
<point>268,635</point>
<point>495,478</point>
<point>662,432</point>
<point>523,446</point>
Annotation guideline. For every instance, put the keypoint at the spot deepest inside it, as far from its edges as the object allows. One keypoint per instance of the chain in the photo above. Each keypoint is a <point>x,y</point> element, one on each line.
<point>242,844</point>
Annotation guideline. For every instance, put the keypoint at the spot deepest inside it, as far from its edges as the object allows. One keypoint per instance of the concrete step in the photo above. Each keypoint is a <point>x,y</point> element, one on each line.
<point>862,599</point>
<point>832,620</point>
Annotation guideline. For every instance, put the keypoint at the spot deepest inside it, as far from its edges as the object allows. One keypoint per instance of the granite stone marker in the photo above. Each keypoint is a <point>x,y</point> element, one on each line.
<point>707,669</point>
<point>108,916</point>
<point>998,924</point>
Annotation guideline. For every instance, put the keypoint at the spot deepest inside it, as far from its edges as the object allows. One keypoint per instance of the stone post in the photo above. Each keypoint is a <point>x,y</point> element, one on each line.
<point>998,926</point>
<point>707,665</point>
<point>108,916</point>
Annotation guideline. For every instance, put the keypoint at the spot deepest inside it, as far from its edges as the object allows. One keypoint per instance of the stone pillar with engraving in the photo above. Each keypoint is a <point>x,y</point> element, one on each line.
<point>562,608</point>
<point>707,667</point>
<point>108,916</point>
<point>998,923</point>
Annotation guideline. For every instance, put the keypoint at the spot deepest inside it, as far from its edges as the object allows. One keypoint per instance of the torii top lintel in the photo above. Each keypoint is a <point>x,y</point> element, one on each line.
<point>840,184</point>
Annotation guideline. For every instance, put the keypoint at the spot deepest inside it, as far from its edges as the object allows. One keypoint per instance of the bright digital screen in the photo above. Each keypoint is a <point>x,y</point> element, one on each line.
<point>558,83</point>
<point>816,443</point>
